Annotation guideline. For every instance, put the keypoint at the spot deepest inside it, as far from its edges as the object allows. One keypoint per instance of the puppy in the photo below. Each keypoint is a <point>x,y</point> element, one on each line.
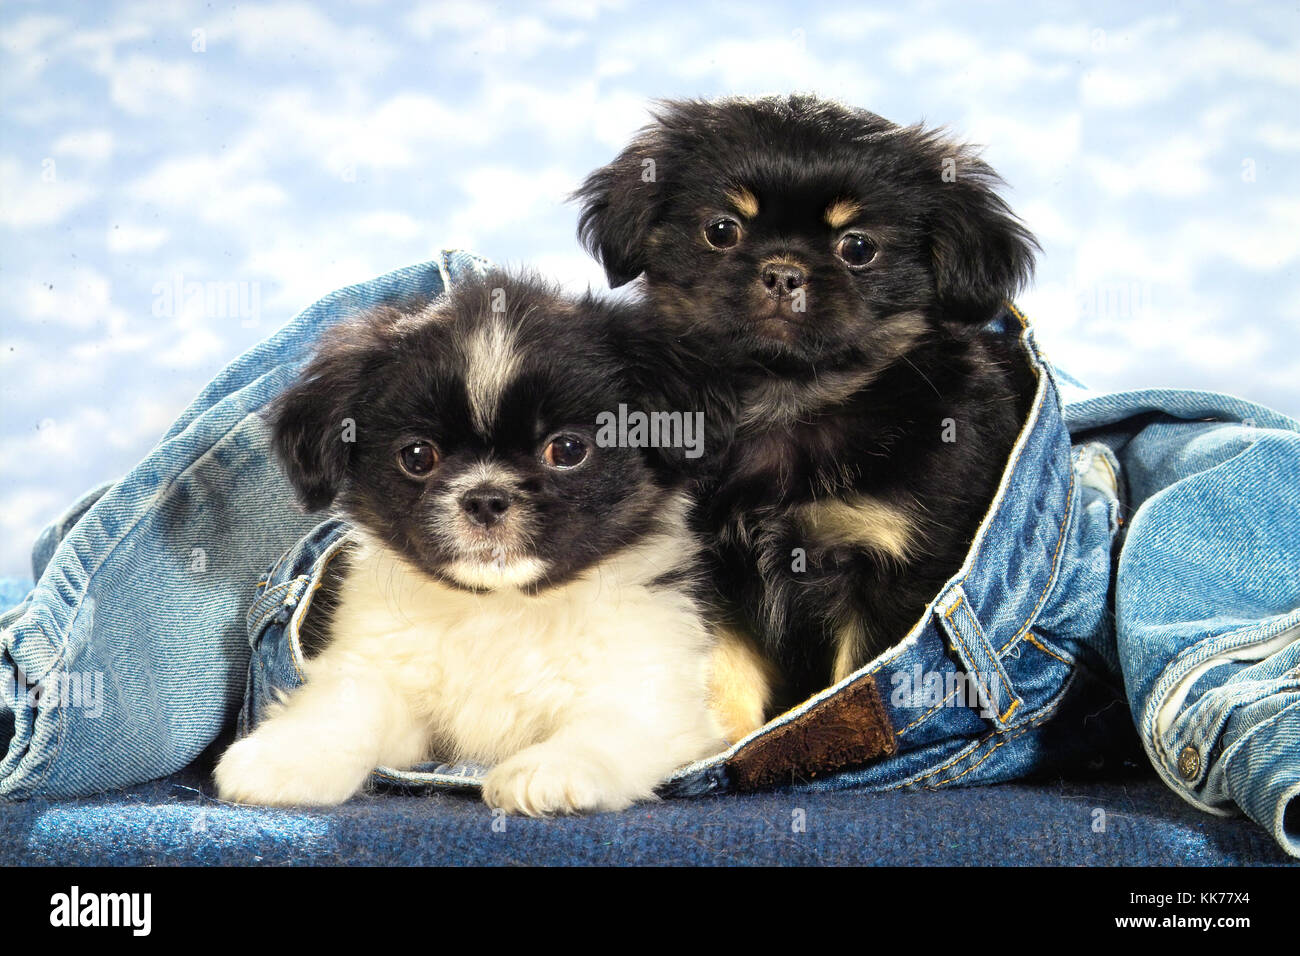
<point>518,588</point>
<point>849,266</point>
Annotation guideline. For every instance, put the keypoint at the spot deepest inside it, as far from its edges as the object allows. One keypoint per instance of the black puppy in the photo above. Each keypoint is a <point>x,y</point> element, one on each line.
<point>848,266</point>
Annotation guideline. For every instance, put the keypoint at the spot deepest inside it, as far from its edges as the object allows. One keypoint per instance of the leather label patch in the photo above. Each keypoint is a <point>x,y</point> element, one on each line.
<point>845,730</point>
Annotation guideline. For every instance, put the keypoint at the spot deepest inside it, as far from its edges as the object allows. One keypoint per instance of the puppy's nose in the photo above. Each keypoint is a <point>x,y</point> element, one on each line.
<point>485,504</point>
<point>782,278</point>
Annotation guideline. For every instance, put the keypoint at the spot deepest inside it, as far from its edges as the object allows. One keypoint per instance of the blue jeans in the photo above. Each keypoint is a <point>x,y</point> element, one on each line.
<point>1143,549</point>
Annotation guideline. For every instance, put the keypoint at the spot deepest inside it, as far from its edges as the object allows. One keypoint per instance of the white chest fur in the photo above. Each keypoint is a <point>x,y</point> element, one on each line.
<point>583,696</point>
<point>491,673</point>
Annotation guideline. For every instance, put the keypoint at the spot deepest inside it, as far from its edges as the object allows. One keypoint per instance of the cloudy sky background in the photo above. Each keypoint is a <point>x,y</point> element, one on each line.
<point>293,148</point>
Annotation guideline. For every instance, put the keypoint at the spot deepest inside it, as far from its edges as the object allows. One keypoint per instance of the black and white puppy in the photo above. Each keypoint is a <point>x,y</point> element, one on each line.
<point>517,592</point>
<point>850,266</point>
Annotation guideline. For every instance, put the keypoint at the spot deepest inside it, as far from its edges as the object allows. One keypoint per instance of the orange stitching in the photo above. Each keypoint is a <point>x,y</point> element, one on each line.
<point>304,604</point>
<point>1033,640</point>
<point>942,703</point>
<point>991,752</point>
<point>1020,316</point>
<point>967,751</point>
<point>956,635</point>
<point>1010,691</point>
<point>955,604</point>
<point>1056,556</point>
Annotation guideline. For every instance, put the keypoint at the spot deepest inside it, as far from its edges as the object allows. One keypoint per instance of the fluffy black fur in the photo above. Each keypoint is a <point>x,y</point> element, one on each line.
<point>400,378</point>
<point>850,376</point>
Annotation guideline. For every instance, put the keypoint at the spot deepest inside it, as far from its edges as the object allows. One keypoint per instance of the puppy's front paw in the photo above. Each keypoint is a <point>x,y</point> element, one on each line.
<point>541,781</point>
<point>275,771</point>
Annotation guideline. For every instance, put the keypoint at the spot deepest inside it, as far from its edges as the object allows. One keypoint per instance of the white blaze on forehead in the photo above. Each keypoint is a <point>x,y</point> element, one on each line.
<point>482,473</point>
<point>490,365</point>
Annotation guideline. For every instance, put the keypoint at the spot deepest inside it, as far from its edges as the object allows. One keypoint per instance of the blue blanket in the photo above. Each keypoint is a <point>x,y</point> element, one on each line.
<point>177,820</point>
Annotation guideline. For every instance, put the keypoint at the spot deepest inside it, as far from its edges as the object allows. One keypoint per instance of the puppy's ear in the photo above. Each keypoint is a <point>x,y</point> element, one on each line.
<point>313,423</point>
<point>982,253</point>
<point>620,203</point>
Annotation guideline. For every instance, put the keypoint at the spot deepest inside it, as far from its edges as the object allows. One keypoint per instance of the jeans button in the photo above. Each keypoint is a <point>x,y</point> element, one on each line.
<point>1189,763</point>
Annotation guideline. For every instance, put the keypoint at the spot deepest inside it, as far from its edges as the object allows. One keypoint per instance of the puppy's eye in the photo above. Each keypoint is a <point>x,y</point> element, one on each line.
<point>565,451</point>
<point>856,249</point>
<point>418,459</point>
<point>722,233</point>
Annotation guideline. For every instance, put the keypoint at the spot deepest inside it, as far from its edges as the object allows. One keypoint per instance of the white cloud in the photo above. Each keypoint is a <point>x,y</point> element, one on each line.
<point>24,513</point>
<point>91,355</point>
<point>1259,236</point>
<point>1110,87</point>
<point>79,299</point>
<point>1176,167</point>
<point>1222,54</point>
<point>126,238</point>
<point>194,347</point>
<point>1063,39</point>
<point>228,189</point>
<point>1046,221</point>
<point>483,32</point>
<point>139,421</point>
<point>148,86</point>
<point>297,272</point>
<point>264,30</point>
<point>504,199</point>
<point>27,199</point>
<point>98,49</point>
<point>1148,62</point>
<point>1043,146</point>
<point>776,63</point>
<point>91,145</point>
<point>388,223</point>
<point>927,49</point>
<point>573,269</point>
<point>1117,247</point>
<point>29,35</point>
<point>580,9</point>
<point>400,132</point>
<point>1122,328</point>
<point>1280,135</point>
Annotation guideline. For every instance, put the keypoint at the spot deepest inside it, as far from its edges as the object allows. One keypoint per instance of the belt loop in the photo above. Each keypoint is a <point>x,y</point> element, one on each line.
<point>999,701</point>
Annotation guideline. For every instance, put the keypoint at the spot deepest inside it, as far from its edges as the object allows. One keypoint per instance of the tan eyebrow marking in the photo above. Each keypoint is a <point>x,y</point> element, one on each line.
<point>746,202</point>
<point>841,212</point>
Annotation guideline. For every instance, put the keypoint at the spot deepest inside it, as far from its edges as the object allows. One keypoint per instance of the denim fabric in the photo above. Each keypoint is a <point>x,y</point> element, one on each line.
<point>1139,568</point>
<point>1207,595</point>
<point>178,821</point>
<point>129,656</point>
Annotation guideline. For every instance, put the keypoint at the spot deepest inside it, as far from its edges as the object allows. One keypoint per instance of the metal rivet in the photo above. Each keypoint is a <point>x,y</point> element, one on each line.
<point>1189,763</point>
